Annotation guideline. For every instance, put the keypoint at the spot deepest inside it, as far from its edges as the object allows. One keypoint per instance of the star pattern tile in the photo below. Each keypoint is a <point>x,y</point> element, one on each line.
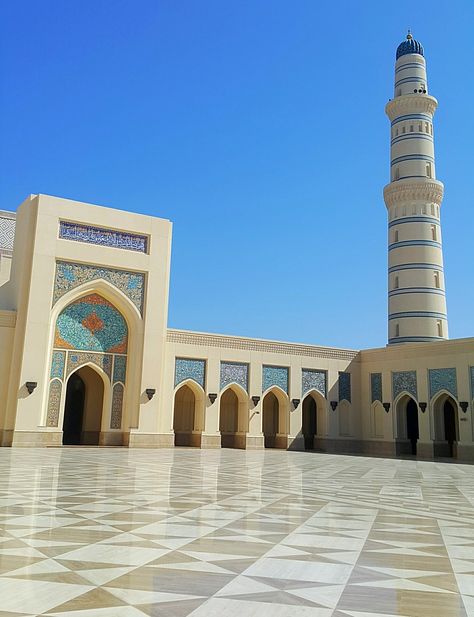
<point>96,532</point>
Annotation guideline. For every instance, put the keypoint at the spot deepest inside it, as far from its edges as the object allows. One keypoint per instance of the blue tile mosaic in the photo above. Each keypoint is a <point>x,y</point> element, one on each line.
<point>376,387</point>
<point>104,237</point>
<point>54,402</point>
<point>117,404</point>
<point>404,381</point>
<point>275,376</point>
<point>70,275</point>
<point>235,372</point>
<point>75,359</point>
<point>443,379</point>
<point>57,364</point>
<point>344,386</point>
<point>91,324</point>
<point>186,368</point>
<point>120,365</point>
<point>312,379</point>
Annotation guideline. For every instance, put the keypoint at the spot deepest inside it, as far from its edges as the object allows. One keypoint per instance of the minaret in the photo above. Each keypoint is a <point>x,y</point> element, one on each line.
<point>416,291</point>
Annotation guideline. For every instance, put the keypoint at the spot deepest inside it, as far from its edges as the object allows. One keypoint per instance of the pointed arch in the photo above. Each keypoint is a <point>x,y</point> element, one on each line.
<point>275,417</point>
<point>445,422</point>
<point>233,416</point>
<point>314,417</point>
<point>407,423</point>
<point>188,413</point>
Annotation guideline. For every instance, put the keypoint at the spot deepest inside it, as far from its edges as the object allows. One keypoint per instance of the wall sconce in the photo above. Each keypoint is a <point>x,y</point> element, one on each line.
<point>333,405</point>
<point>30,386</point>
<point>464,405</point>
<point>296,402</point>
<point>386,406</point>
<point>150,392</point>
<point>422,407</point>
<point>212,397</point>
<point>255,400</point>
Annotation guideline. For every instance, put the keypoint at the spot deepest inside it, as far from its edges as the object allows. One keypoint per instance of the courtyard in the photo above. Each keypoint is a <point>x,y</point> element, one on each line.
<point>96,532</point>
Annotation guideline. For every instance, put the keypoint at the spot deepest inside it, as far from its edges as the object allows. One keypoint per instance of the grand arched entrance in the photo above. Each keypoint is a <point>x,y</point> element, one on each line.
<point>310,421</point>
<point>446,426</point>
<point>232,423</point>
<point>188,415</point>
<point>83,408</point>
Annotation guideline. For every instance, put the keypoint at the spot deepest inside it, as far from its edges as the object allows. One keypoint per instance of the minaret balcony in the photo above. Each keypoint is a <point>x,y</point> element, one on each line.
<point>425,190</point>
<point>410,103</point>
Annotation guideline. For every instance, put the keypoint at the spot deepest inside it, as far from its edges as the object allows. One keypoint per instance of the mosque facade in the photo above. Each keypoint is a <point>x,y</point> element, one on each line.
<point>86,356</point>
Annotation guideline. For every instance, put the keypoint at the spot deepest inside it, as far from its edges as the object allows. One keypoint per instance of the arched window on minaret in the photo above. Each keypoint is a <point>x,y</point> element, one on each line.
<point>428,170</point>
<point>434,235</point>
<point>436,280</point>
<point>397,329</point>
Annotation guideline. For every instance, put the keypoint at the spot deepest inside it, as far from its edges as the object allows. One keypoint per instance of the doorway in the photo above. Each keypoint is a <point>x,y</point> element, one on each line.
<point>83,408</point>
<point>310,422</point>
<point>413,431</point>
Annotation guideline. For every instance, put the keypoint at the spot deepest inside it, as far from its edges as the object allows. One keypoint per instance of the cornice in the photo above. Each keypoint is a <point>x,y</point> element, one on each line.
<point>7,319</point>
<point>410,103</point>
<point>404,191</point>
<point>203,339</point>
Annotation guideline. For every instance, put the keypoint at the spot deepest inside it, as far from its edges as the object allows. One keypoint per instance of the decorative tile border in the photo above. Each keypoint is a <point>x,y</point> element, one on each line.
<point>70,275</point>
<point>344,386</point>
<point>117,404</point>
<point>404,381</point>
<point>54,402</point>
<point>120,365</point>
<point>187,368</point>
<point>443,379</point>
<point>234,372</point>
<point>104,237</point>
<point>77,358</point>
<point>376,387</point>
<point>57,364</point>
<point>312,379</point>
<point>275,376</point>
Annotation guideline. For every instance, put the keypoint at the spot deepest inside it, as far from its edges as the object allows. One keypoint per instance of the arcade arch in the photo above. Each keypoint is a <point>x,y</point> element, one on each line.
<point>275,418</point>
<point>233,417</point>
<point>407,422</point>
<point>446,425</point>
<point>313,418</point>
<point>188,414</point>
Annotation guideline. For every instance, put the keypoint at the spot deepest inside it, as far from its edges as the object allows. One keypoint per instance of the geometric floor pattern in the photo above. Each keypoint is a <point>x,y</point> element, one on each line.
<point>97,532</point>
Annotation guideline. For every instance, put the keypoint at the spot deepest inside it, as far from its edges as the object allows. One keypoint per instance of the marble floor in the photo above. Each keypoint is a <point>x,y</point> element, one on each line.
<point>226,533</point>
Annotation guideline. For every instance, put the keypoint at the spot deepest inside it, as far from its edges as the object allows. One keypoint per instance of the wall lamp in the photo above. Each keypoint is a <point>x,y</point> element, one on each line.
<point>463,405</point>
<point>386,406</point>
<point>422,407</point>
<point>30,386</point>
<point>212,397</point>
<point>296,402</point>
<point>150,392</point>
<point>255,400</point>
<point>333,405</point>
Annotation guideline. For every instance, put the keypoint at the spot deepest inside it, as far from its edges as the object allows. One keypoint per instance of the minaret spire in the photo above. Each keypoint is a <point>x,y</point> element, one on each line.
<point>416,291</point>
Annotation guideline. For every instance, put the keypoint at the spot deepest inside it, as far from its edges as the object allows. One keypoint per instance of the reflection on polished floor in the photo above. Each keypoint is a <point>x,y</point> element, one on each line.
<point>225,533</point>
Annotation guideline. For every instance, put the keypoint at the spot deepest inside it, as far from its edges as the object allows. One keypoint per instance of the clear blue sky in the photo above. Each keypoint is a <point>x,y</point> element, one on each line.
<point>258,128</point>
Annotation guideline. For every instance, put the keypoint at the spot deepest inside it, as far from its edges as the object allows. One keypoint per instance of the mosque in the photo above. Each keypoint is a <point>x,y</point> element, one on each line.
<point>86,356</point>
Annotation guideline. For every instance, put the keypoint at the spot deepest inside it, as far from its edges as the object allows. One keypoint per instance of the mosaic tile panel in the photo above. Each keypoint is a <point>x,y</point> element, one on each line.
<point>54,402</point>
<point>103,237</point>
<point>312,379</point>
<point>472,381</point>
<point>117,404</point>
<point>76,359</point>
<point>57,364</point>
<point>186,368</point>
<point>120,366</point>
<point>275,376</point>
<point>7,233</point>
<point>91,324</point>
<point>70,275</point>
<point>344,386</point>
<point>404,381</point>
<point>376,387</point>
<point>235,372</point>
<point>443,379</point>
